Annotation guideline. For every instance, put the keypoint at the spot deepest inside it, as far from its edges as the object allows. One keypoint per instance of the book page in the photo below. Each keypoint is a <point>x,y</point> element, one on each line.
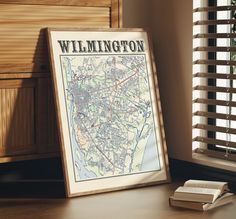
<point>206,184</point>
<point>196,190</point>
<point>196,194</point>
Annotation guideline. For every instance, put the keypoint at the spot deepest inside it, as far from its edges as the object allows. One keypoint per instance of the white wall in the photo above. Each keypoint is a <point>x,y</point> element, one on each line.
<point>170,23</point>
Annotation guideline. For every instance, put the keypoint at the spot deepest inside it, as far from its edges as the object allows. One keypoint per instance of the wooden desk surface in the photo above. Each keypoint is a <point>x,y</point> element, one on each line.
<point>145,203</point>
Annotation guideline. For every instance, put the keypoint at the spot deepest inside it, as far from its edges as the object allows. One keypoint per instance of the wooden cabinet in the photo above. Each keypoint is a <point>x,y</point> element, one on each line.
<point>28,127</point>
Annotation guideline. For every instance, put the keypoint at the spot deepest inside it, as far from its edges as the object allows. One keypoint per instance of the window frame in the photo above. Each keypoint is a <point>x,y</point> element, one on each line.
<point>209,148</point>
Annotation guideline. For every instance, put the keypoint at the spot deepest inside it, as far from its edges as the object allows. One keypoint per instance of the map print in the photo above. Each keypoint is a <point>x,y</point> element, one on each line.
<point>110,114</point>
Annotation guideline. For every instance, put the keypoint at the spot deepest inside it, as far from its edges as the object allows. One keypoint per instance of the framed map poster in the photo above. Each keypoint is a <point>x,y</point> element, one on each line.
<point>108,109</point>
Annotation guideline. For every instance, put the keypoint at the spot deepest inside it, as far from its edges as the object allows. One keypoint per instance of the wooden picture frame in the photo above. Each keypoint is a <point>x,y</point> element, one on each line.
<point>108,109</point>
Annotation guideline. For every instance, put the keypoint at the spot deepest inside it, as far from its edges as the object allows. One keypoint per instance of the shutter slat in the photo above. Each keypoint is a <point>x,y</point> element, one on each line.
<point>215,128</point>
<point>214,49</point>
<point>215,8</point>
<point>215,75</point>
<point>215,102</point>
<point>214,22</point>
<point>215,89</point>
<point>215,62</point>
<point>215,115</point>
<point>214,35</point>
<point>215,142</point>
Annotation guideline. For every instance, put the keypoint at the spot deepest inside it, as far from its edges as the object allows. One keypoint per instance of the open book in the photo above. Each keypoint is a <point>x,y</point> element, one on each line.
<point>201,206</point>
<point>200,191</point>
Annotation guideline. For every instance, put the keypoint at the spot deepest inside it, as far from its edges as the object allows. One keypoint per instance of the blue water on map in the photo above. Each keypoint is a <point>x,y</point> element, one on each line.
<point>79,164</point>
<point>151,160</point>
<point>81,173</point>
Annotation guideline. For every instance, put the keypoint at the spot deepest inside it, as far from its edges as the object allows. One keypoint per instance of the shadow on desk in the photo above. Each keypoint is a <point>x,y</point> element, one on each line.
<point>32,189</point>
<point>143,203</point>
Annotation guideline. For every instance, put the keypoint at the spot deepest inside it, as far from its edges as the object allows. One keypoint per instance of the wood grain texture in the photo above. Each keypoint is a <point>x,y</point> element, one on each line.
<point>148,203</point>
<point>53,140</point>
<point>28,48</point>
<point>24,69</point>
<point>27,117</point>
<point>17,117</point>
<point>8,84</point>
<point>23,75</point>
<point>87,3</point>
<point>47,133</point>
<point>30,156</point>
<point>116,13</point>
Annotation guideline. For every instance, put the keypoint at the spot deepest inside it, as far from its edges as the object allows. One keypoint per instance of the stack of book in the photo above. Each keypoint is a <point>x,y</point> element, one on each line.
<point>201,195</point>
